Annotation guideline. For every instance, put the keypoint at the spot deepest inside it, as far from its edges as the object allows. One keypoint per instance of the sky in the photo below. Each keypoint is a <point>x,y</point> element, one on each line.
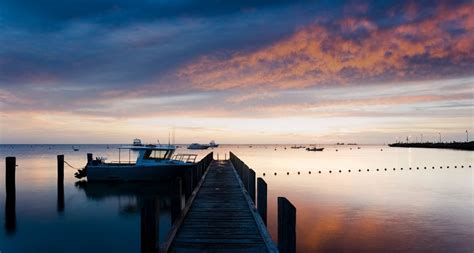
<point>235,71</point>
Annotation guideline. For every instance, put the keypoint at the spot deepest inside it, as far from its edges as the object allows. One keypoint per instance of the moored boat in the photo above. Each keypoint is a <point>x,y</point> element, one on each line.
<point>213,144</point>
<point>198,146</point>
<point>314,149</point>
<point>153,162</point>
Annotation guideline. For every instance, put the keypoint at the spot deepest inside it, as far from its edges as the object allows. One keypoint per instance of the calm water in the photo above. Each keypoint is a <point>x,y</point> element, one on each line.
<point>405,210</point>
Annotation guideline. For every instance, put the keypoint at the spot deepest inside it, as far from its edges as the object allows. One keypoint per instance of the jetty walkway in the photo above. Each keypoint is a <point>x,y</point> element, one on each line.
<point>221,217</point>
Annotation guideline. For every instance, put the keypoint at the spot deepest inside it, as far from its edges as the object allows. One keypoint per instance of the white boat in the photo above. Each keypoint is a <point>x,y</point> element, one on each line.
<point>153,162</point>
<point>198,146</point>
<point>213,144</point>
<point>137,143</point>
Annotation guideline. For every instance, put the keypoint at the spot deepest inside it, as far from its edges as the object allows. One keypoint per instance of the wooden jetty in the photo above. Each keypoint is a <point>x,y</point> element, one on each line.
<point>220,216</point>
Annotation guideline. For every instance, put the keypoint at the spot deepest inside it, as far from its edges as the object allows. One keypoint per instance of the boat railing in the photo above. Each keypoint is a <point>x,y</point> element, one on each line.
<point>188,158</point>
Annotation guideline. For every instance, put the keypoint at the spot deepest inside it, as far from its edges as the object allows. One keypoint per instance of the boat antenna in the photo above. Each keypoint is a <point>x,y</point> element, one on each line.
<point>174,136</point>
<point>169,136</point>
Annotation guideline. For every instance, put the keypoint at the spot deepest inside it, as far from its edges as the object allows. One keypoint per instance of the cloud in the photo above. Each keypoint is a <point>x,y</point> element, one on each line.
<point>358,52</point>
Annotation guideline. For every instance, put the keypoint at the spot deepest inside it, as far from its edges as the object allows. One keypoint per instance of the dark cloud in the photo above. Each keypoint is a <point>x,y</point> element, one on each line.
<point>74,52</point>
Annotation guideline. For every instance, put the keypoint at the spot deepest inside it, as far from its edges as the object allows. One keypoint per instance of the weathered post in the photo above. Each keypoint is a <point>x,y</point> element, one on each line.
<point>262,199</point>
<point>10,201</point>
<point>286,226</point>
<point>60,189</point>
<point>251,186</point>
<point>60,168</point>
<point>89,158</point>
<point>149,223</point>
<point>176,203</point>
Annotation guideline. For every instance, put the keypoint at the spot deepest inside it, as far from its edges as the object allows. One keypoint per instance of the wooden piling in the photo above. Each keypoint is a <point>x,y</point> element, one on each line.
<point>60,168</point>
<point>262,199</point>
<point>89,158</point>
<point>10,201</point>
<point>176,203</point>
<point>286,226</point>
<point>60,185</point>
<point>251,185</point>
<point>149,223</point>
<point>10,168</point>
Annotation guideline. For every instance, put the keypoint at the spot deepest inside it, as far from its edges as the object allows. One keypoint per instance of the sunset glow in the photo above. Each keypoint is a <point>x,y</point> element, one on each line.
<point>243,72</point>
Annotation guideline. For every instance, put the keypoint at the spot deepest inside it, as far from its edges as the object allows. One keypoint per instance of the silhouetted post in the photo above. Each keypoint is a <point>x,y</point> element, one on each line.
<point>89,158</point>
<point>188,183</point>
<point>252,185</point>
<point>10,201</point>
<point>176,203</point>
<point>286,226</point>
<point>60,200</point>
<point>60,168</point>
<point>262,199</point>
<point>149,223</point>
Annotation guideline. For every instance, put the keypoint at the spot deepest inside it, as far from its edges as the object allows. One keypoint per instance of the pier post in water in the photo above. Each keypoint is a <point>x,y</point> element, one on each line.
<point>60,200</point>
<point>286,226</point>
<point>149,223</point>
<point>251,185</point>
<point>262,199</point>
<point>176,203</point>
<point>89,158</point>
<point>10,202</point>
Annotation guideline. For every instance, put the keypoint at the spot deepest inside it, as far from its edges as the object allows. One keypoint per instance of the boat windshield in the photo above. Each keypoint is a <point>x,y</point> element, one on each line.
<point>157,154</point>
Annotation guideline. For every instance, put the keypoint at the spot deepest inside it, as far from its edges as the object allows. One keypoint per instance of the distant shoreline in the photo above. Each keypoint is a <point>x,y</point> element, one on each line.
<point>440,145</point>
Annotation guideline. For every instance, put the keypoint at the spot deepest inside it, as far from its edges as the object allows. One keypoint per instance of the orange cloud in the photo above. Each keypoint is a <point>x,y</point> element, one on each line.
<point>316,56</point>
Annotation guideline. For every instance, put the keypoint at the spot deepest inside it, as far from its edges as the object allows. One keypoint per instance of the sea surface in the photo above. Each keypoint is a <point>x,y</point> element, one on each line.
<point>405,208</point>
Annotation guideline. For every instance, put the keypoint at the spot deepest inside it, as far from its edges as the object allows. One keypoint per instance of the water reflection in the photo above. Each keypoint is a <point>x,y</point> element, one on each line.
<point>60,201</point>
<point>10,212</point>
<point>151,200</point>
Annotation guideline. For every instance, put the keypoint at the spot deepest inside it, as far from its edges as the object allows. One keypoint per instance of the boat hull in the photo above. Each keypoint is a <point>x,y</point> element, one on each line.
<point>134,172</point>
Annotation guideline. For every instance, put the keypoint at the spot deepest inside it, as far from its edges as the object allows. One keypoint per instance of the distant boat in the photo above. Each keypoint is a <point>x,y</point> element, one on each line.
<point>213,144</point>
<point>297,147</point>
<point>198,146</point>
<point>353,144</point>
<point>137,143</point>
<point>314,149</point>
<point>75,149</point>
<point>340,143</point>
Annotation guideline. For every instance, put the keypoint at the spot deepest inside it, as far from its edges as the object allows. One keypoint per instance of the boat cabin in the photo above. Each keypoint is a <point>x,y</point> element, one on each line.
<point>152,154</point>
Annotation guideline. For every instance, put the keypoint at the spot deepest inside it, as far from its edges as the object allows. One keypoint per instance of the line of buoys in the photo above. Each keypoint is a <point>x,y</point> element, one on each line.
<point>368,170</point>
